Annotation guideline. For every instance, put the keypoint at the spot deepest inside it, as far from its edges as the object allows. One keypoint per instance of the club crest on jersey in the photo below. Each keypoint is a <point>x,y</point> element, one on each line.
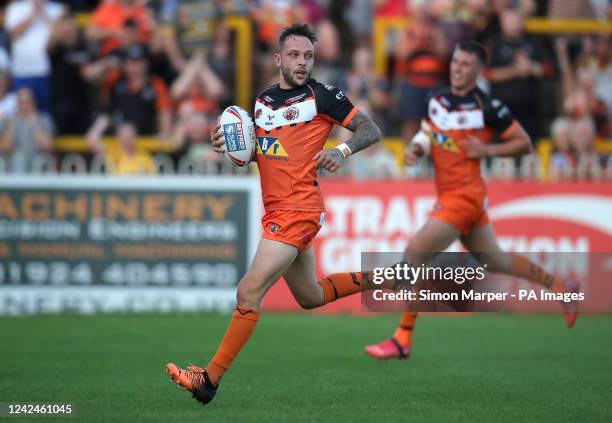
<point>271,147</point>
<point>291,113</point>
<point>446,143</point>
<point>258,113</point>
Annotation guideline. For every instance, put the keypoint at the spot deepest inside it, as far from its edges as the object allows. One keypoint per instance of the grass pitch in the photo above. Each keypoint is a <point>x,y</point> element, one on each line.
<point>303,367</point>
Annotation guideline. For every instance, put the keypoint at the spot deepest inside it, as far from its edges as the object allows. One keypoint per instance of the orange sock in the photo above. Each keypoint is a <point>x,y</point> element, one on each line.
<point>239,330</point>
<point>403,333</point>
<point>340,285</point>
<point>525,268</point>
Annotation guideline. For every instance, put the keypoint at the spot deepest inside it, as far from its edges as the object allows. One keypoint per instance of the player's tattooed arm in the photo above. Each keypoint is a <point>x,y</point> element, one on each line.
<point>366,132</point>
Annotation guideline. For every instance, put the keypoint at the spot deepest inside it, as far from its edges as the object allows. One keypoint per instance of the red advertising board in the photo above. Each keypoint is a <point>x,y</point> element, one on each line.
<point>382,216</point>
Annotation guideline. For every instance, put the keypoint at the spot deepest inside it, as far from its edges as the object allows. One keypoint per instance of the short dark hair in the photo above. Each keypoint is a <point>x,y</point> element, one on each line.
<point>297,29</point>
<point>475,48</point>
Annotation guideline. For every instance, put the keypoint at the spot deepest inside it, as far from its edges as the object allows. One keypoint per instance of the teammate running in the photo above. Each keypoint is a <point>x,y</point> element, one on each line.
<point>293,120</point>
<point>458,125</point>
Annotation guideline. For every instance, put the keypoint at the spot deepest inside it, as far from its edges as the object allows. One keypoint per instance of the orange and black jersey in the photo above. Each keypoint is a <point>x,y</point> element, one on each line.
<point>292,125</point>
<point>451,119</point>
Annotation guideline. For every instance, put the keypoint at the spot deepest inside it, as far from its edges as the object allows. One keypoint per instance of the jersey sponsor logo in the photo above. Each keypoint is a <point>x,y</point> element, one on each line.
<point>468,106</point>
<point>234,138</point>
<point>445,142</point>
<point>268,99</point>
<point>454,120</point>
<point>304,111</point>
<point>270,147</point>
<point>291,113</point>
<point>295,99</point>
<point>340,95</point>
<point>329,87</point>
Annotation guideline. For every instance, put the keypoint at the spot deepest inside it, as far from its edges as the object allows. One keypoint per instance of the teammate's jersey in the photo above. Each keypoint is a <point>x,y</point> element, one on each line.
<point>449,120</point>
<point>291,127</point>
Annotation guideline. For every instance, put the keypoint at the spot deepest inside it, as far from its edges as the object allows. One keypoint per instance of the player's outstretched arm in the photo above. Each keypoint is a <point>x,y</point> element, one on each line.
<point>366,133</point>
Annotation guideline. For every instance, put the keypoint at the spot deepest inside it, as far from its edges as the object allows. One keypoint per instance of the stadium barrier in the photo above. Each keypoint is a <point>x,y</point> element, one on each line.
<point>544,148</point>
<point>99,244</point>
<point>529,167</point>
<point>529,217</point>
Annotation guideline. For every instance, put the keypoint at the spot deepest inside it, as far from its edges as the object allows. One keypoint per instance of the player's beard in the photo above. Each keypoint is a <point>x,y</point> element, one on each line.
<point>288,76</point>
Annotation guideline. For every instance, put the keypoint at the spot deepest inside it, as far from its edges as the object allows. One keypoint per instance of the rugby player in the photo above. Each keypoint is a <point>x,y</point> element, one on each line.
<point>293,119</point>
<point>460,121</point>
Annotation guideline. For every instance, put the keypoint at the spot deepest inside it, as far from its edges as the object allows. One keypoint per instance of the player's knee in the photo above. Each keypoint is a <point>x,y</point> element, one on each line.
<point>248,292</point>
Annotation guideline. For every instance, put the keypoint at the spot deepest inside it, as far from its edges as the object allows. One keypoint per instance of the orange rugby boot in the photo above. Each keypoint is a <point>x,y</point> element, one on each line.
<point>388,349</point>
<point>194,380</point>
<point>570,309</point>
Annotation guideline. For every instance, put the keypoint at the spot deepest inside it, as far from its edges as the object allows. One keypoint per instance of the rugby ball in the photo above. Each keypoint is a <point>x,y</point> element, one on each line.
<point>239,132</point>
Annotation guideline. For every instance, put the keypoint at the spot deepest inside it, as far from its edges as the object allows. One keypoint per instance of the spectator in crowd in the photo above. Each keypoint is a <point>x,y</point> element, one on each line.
<point>594,78</point>
<point>5,60</point>
<point>601,63</point>
<point>359,16</point>
<point>583,139</point>
<point>420,68</point>
<point>195,92</point>
<point>574,142</point>
<point>563,158</point>
<point>390,8</point>
<point>114,23</point>
<point>578,89</point>
<point>191,139</point>
<point>270,16</point>
<point>133,95</point>
<point>8,99</point>
<point>328,54</point>
<point>29,23</point>
<point>123,158</point>
<point>25,135</point>
<point>367,91</point>
<point>197,89</point>
<point>517,64</point>
<point>221,61</point>
<point>188,26</point>
<point>70,106</point>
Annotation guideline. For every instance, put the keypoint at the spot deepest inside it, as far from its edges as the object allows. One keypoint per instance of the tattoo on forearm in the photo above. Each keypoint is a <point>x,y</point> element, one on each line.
<point>365,131</point>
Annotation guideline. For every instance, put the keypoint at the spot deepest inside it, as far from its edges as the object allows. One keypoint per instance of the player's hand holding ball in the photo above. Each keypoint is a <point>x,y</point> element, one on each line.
<point>234,136</point>
<point>217,140</point>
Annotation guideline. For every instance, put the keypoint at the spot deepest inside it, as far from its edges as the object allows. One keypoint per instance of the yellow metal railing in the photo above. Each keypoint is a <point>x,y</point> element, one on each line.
<point>392,144</point>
